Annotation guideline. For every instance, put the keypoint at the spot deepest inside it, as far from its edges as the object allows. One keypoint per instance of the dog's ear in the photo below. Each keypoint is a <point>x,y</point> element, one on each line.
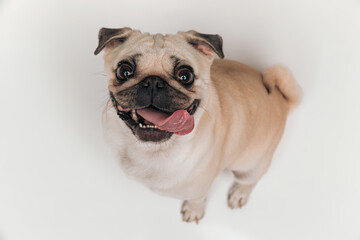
<point>205,43</point>
<point>111,37</point>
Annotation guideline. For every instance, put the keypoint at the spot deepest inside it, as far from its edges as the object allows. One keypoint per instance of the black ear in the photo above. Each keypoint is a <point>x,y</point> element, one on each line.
<point>111,35</point>
<point>206,43</point>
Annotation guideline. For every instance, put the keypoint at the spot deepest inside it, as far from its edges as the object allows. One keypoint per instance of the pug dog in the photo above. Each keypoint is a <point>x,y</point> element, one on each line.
<point>177,117</point>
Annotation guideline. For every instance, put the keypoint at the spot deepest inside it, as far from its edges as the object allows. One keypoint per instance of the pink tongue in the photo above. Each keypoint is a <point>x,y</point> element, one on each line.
<point>180,122</point>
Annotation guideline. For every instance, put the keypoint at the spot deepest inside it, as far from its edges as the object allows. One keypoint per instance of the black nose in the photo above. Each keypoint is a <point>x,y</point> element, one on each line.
<point>153,82</point>
<point>152,90</point>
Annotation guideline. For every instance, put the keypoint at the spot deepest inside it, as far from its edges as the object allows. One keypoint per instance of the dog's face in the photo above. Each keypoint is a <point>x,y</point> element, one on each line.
<point>157,82</point>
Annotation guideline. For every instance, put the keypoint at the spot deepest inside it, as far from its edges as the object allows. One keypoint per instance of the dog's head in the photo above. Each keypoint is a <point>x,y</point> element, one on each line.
<point>157,82</point>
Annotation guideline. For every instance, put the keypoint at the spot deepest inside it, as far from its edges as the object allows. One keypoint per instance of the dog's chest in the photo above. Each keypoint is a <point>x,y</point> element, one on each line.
<point>158,170</point>
<point>171,172</point>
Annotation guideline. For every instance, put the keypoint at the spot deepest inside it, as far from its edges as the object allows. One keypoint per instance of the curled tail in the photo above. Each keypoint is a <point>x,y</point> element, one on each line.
<point>280,77</point>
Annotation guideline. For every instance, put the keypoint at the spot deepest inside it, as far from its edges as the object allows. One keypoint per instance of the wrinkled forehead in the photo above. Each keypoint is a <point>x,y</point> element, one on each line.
<point>155,52</point>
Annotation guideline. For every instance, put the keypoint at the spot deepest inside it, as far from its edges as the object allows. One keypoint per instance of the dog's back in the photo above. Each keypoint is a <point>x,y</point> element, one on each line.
<point>235,75</point>
<point>254,108</point>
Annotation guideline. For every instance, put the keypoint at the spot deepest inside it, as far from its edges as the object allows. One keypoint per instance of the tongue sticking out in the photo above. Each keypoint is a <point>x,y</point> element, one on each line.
<point>180,122</point>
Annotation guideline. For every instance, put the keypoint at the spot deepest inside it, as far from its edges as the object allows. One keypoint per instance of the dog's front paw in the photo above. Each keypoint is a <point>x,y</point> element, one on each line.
<point>192,210</point>
<point>238,195</point>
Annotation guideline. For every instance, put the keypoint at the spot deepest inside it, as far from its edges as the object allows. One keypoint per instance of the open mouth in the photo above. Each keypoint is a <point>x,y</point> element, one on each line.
<point>155,125</point>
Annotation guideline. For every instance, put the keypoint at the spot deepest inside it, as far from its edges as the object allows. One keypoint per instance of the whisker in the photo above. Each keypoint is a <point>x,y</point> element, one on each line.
<point>104,102</point>
<point>210,116</point>
<point>100,73</point>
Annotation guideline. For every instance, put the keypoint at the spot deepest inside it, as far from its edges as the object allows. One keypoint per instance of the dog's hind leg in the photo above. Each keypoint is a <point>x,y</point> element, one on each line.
<point>244,183</point>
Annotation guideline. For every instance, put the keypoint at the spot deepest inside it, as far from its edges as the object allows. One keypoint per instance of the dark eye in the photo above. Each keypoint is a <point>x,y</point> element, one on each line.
<point>124,71</point>
<point>185,76</point>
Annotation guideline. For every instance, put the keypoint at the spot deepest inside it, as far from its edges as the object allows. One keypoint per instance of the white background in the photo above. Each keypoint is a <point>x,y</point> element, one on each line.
<point>58,180</point>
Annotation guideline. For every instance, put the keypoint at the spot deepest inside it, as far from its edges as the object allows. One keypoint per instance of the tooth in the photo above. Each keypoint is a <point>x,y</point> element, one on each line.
<point>134,116</point>
<point>146,126</point>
